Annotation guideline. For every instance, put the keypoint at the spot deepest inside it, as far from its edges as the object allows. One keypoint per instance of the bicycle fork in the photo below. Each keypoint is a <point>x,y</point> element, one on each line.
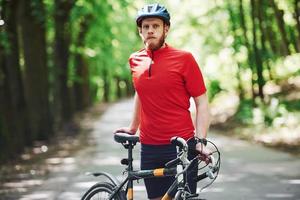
<point>178,183</point>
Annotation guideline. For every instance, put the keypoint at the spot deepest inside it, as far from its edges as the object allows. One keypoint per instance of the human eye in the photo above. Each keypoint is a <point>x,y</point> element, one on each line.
<point>145,26</point>
<point>155,26</point>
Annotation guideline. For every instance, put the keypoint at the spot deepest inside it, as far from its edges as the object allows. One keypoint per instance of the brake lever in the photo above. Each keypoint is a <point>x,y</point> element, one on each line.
<point>173,162</point>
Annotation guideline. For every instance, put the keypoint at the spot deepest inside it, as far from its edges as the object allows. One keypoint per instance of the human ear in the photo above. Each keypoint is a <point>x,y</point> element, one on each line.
<point>140,31</point>
<point>166,28</point>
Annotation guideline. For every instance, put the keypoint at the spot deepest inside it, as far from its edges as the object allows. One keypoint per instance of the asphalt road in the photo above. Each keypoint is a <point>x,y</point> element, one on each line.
<point>248,171</point>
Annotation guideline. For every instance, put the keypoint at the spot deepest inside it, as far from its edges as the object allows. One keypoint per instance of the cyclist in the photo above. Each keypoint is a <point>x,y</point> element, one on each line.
<point>165,78</point>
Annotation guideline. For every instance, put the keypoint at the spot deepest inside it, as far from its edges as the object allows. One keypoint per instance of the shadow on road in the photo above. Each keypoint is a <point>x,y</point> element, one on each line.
<point>248,171</point>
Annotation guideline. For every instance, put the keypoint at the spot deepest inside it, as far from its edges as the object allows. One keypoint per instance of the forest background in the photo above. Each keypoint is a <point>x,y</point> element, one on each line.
<point>59,58</point>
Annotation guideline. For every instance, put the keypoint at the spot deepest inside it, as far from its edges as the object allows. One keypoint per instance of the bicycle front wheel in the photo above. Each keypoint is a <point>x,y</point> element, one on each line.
<point>178,195</point>
<point>102,191</point>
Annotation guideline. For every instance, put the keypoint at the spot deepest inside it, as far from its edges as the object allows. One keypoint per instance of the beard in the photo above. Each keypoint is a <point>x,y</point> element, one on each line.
<point>155,45</point>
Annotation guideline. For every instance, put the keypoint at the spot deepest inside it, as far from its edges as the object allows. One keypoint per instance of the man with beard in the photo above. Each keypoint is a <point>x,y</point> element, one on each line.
<point>165,79</point>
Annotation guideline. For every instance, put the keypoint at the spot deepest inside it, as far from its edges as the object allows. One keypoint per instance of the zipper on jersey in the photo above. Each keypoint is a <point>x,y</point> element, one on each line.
<point>150,67</point>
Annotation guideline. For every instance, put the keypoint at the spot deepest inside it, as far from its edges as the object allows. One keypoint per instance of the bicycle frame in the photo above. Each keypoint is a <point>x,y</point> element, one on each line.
<point>139,174</point>
<point>180,172</point>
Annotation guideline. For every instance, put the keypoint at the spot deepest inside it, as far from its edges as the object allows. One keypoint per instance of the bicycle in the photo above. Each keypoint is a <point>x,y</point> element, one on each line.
<point>113,189</point>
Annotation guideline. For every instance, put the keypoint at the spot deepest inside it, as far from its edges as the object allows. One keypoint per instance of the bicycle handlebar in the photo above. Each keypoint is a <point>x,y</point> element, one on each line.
<point>182,157</point>
<point>180,142</point>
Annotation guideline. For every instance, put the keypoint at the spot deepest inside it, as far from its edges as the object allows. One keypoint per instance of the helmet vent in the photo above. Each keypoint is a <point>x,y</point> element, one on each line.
<point>153,10</point>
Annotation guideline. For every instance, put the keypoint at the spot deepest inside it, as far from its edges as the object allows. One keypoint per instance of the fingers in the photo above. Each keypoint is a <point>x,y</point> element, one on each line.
<point>142,61</point>
<point>140,54</point>
<point>118,131</point>
<point>204,153</point>
<point>124,130</point>
<point>121,130</point>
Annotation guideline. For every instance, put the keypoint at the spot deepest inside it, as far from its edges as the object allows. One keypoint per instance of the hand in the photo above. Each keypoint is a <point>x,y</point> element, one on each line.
<point>125,130</point>
<point>204,153</point>
<point>139,63</point>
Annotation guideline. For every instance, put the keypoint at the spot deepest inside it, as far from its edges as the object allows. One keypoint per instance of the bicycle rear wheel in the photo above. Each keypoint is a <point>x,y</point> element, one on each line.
<point>102,191</point>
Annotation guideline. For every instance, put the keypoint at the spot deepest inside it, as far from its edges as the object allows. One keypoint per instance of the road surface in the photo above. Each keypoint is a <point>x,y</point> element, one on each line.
<point>248,171</point>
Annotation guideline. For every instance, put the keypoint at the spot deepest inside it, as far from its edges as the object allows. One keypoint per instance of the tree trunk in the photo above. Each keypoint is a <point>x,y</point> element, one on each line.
<point>262,26</point>
<point>5,134</point>
<point>271,35</point>
<point>297,18</point>
<point>119,89</point>
<point>5,117</point>
<point>81,84</point>
<point>293,38</point>
<point>14,133</point>
<point>61,58</point>
<point>36,71</point>
<point>247,44</point>
<point>236,45</point>
<point>280,23</point>
<point>106,85</point>
<point>129,87</point>
<point>18,111</point>
<point>257,56</point>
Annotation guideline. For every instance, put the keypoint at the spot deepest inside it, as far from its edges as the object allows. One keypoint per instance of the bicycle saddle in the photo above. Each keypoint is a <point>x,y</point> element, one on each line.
<point>125,137</point>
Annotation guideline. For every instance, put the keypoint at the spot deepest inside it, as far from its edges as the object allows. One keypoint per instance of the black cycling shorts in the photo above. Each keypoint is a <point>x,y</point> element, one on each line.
<point>156,156</point>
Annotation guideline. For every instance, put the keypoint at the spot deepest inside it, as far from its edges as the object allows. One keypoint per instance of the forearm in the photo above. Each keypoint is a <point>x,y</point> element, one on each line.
<point>202,116</point>
<point>135,122</point>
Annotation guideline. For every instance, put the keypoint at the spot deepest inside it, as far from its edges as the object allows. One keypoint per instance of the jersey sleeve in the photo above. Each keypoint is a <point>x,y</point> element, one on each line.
<point>192,76</point>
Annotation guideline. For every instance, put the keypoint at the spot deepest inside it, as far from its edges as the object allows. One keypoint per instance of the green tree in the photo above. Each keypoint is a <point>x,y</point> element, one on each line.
<point>33,35</point>
<point>12,101</point>
<point>62,40</point>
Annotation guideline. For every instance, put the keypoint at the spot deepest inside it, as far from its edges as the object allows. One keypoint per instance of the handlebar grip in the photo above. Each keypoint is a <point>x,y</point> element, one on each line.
<point>178,141</point>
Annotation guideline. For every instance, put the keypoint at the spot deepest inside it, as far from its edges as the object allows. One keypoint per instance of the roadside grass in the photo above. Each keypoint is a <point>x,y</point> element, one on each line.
<point>274,123</point>
<point>34,165</point>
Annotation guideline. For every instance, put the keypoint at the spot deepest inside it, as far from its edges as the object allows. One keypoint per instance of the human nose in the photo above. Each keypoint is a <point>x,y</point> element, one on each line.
<point>150,30</point>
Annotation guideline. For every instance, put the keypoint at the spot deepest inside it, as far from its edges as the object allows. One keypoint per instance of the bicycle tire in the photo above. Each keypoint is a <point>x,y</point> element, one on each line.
<point>178,195</point>
<point>102,191</point>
